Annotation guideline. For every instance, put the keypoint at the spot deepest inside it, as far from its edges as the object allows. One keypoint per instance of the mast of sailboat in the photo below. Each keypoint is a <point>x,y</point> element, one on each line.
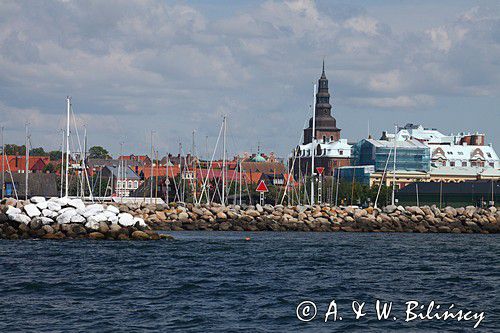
<point>62,161</point>
<point>313,137</point>
<point>394,166</point>
<point>27,151</point>
<point>66,176</point>
<point>167,181</point>
<point>151,176</point>
<point>224,162</point>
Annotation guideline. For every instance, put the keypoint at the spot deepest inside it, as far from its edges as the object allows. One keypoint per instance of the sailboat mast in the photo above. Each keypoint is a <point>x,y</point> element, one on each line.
<point>68,107</point>
<point>313,139</point>
<point>62,161</point>
<point>224,162</point>
<point>151,176</point>
<point>394,166</point>
<point>27,151</point>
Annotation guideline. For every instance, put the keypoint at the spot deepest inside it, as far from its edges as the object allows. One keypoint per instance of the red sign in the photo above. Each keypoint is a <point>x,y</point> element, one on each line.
<point>262,187</point>
<point>320,170</point>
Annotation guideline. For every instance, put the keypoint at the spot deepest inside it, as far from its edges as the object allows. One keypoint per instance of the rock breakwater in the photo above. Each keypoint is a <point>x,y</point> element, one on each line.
<point>64,218</point>
<point>323,218</point>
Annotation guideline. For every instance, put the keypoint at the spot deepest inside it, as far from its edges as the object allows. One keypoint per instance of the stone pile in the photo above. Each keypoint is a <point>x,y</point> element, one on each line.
<point>57,218</point>
<point>325,218</point>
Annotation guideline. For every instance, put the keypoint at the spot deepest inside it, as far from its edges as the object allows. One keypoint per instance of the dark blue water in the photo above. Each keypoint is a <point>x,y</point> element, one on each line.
<point>218,282</point>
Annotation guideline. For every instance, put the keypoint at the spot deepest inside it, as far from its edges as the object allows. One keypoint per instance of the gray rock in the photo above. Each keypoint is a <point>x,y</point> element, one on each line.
<point>390,209</point>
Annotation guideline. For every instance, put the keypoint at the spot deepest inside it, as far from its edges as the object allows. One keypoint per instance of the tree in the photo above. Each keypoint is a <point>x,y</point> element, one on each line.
<point>98,152</point>
<point>13,149</point>
<point>38,152</point>
<point>55,155</point>
<point>49,168</point>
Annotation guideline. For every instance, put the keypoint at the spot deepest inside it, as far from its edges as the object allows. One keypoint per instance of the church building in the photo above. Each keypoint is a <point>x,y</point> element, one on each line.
<point>330,150</point>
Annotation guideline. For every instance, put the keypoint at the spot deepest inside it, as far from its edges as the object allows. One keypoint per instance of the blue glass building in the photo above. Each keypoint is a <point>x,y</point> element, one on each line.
<point>411,155</point>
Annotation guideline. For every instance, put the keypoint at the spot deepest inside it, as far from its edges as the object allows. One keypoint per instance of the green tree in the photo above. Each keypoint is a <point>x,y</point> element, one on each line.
<point>38,152</point>
<point>49,168</point>
<point>13,149</point>
<point>55,155</point>
<point>98,152</point>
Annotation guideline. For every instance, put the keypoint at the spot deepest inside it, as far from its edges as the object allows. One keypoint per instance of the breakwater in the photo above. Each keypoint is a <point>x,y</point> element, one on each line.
<point>64,218</point>
<point>321,218</point>
<point>71,218</point>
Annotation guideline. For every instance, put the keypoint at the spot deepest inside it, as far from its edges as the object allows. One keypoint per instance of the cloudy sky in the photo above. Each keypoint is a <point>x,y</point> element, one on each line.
<point>177,66</point>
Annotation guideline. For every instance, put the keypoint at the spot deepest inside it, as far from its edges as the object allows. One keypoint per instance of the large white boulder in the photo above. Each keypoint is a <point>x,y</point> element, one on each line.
<point>77,218</point>
<point>31,210</point>
<point>113,219</point>
<point>64,201</point>
<point>140,220</point>
<point>42,205</point>
<point>36,200</point>
<point>65,209</point>
<point>53,206</point>
<point>108,213</point>
<point>93,209</point>
<point>46,220</point>
<point>113,209</point>
<point>12,210</point>
<point>76,203</point>
<point>66,216</point>
<point>125,220</point>
<point>48,213</point>
<point>21,218</point>
<point>99,217</point>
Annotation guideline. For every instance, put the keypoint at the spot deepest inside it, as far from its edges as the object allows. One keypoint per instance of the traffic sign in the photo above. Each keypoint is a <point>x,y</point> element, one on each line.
<point>262,187</point>
<point>320,170</point>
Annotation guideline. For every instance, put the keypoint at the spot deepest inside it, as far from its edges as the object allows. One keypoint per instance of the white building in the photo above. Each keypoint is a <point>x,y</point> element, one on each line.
<point>459,151</point>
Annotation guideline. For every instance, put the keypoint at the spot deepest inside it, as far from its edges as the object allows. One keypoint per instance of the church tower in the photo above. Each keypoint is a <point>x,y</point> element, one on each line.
<point>326,125</point>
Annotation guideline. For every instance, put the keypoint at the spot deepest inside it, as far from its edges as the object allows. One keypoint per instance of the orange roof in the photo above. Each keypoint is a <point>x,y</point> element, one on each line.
<point>253,177</point>
<point>160,171</point>
<point>18,163</point>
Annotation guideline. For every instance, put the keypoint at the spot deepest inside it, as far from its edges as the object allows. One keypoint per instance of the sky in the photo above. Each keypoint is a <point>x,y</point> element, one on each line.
<point>174,67</point>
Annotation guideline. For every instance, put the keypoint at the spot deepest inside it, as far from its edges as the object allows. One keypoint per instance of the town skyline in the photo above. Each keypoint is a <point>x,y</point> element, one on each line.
<point>128,75</point>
